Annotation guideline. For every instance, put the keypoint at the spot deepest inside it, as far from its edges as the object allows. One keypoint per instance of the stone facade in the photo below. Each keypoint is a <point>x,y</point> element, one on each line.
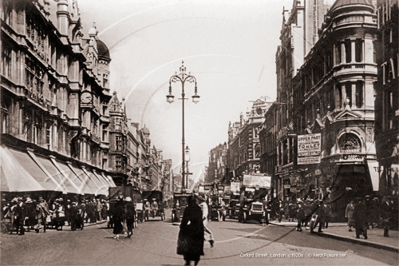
<point>54,90</point>
<point>217,166</point>
<point>387,97</point>
<point>243,141</point>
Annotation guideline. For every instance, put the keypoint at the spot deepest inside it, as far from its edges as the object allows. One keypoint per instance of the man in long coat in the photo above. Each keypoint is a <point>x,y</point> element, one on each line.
<point>360,215</point>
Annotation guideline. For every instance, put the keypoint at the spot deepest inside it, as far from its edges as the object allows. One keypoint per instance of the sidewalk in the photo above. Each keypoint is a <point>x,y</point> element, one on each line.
<point>88,224</point>
<point>340,231</point>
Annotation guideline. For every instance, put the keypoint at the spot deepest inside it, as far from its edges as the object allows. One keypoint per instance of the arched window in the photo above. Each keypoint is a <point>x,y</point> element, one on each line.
<point>349,143</point>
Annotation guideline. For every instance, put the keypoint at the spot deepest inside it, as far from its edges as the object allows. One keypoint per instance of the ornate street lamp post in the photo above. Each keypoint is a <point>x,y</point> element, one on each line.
<point>182,77</point>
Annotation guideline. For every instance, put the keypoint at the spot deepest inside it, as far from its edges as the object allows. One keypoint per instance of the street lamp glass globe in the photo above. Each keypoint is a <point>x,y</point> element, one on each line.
<point>196,98</point>
<point>170,98</point>
<point>187,154</point>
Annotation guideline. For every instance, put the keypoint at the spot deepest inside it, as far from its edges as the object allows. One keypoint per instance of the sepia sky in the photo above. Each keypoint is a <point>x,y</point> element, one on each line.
<point>229,46</point>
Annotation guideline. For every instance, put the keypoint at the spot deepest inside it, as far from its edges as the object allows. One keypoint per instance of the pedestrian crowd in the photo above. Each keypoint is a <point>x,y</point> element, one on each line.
<point>362,213</point>
<point>366,213</point>
<point>22,215</point>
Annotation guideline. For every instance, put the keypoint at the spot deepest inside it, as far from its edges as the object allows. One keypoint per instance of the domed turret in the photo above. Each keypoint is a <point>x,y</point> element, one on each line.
<point>145,131</point>
<point>340,5</point>
<point>103,52</point>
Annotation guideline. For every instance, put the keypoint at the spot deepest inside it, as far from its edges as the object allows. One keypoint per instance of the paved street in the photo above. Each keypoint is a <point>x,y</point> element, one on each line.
<point>154,243</point>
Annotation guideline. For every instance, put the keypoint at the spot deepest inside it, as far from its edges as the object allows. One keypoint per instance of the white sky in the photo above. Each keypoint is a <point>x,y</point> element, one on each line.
<point>229,46</point>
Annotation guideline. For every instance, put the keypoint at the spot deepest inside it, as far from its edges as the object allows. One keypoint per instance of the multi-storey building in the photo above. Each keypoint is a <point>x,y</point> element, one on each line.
<point>217,165</point>
<point>243,141</point>
<point>298,36</point>
<point>387,97</point>
<point>268,144</point>
<point>54,97</point>
<point>118,140</point>
<point>333,95</point>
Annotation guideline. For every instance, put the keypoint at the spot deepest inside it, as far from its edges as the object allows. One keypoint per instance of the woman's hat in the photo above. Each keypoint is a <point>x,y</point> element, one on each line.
<point>128,199</point>
<point>28,200</point>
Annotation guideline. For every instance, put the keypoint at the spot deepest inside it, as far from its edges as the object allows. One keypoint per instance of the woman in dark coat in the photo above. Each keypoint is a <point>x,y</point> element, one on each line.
<point>191,233</point>
<point>118,217</point>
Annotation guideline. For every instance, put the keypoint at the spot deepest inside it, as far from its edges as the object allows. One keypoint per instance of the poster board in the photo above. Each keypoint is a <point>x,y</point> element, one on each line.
<point>260,181</point>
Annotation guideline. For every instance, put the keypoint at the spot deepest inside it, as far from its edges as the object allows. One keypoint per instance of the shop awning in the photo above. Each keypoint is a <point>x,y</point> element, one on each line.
<point>373,170</point>
<point>49,169</point>
<point>69,176</point>
<point>14,177</point>
<point>87,184</point>
<point>34,170</point>
<point>99,187</point>
<point>101,178</point>
<point>111,181</point>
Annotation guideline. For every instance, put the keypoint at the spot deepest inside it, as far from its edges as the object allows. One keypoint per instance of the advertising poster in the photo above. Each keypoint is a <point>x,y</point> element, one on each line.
<point>309,148</point>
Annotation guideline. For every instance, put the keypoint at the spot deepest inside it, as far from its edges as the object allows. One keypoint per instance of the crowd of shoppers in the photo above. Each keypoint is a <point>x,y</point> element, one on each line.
<point>22,215</point>
<point>366,213</point>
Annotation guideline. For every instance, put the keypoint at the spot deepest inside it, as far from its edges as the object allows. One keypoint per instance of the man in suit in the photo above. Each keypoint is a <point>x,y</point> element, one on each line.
<point>20,215</point>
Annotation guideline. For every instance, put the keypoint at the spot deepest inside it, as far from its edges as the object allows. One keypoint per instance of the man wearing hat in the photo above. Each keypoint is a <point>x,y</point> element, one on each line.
<point>154,207</point>
<point>360,215</point>
<point>20,214</point>
<point>42,212</point>
<point>130,214</point>
<point>147,207</point>
<point>30,213</point>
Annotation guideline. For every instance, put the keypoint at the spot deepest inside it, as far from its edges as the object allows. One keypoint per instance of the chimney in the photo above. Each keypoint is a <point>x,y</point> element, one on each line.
<point>62,17</point>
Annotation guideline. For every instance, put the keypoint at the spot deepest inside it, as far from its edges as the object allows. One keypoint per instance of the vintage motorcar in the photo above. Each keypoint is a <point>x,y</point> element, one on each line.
<point>155,196</point>
<point>234,208</point>
<point>251,210</point>
<point>180,202</point>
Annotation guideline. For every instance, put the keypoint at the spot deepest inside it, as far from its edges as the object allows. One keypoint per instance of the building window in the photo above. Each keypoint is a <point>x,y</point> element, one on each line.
<point>348,51</point>
<point>338,53</point>
<point>349,143</point>
<point>359,50</point>
<point>6,62</point>
<point>34,75</point>
<point>48,135</point>
<point>7,12</point>
<point>118,163</point>
<point>118,143</point>
<point>359,94</point>
<point>105,133</point>
<point>348,90</point>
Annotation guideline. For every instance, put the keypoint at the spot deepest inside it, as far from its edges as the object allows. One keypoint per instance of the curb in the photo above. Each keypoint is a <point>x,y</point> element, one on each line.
<point>358,241</point>
<point>351,240</point>
<point>89,224</point>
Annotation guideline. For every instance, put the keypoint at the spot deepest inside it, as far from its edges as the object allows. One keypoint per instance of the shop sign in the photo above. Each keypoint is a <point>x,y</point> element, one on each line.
<point>309,148</point>
<point>309,144</point>
<point>287,186</point>
<point>308,160</point>
<point>201,189</point>
<point>293,190</point>
<point>262,181</point>
<point>351,157</point>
